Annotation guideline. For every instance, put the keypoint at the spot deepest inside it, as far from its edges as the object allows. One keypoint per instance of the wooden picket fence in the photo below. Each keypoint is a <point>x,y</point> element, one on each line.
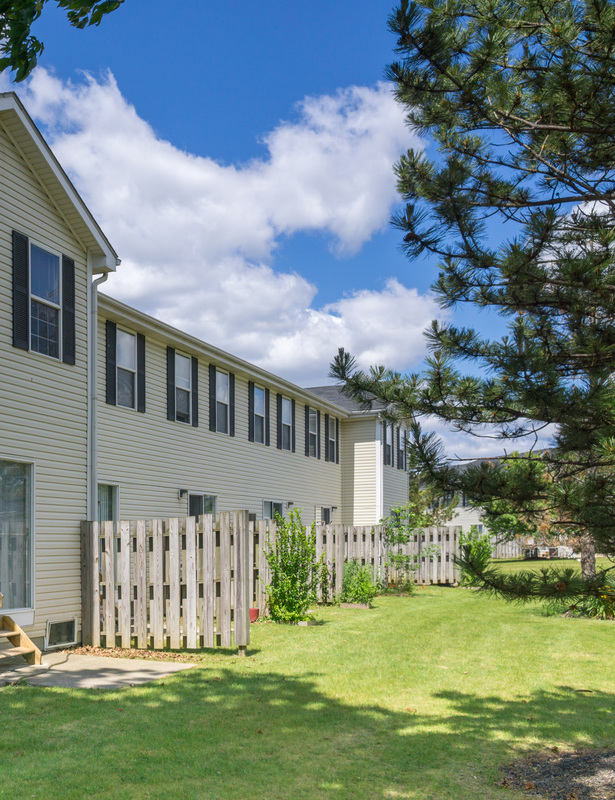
<point>190,582</point>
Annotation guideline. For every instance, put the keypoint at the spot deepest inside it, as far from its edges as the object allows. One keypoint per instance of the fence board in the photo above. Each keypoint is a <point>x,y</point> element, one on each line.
<point>141,584</point>
<point>124,607</point>
<point>209,583</point>
<point>242,567</point>
<point>223,621</point>
<point>157,605</point>
<point>190,608</point>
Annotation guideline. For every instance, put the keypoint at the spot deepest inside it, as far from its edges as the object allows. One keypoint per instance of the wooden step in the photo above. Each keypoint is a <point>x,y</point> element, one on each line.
<point>9,634</point>
<point>13,652</point>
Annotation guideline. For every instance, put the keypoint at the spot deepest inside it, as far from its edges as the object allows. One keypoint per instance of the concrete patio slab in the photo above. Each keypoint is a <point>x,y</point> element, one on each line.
<point>91,672</point>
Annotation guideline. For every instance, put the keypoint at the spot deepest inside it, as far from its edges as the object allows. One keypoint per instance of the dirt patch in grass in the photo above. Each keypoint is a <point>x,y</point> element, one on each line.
<point>576,775</point>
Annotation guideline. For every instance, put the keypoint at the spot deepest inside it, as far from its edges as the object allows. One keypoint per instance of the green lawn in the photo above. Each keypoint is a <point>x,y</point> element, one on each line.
<point>422,697</point>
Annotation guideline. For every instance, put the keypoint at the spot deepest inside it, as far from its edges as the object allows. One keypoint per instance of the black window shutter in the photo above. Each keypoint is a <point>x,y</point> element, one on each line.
<point>141,373</point>
<point>307,430</point>
<point>279,410</point>
<point>171,383</point>
<point>318,433</point>
<point>68,310</point>
<point>250,411</point>
<point>110,358</point>
<point>292,422</point>
<point>337,441</point>
<point>267,437</point>
<point>194,388</point>
<point>231,404</point>
<point>212,397</point>
<point>21,292</point>
<point>398,445</point>
<point>326,437</point>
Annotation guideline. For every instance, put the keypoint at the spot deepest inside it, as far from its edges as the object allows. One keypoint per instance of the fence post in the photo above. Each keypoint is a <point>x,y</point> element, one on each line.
<point>90,585</point>
<point>242,581</point>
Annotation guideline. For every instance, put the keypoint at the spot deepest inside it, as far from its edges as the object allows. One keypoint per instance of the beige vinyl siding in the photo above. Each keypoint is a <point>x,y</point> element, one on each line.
<point>44,402</point>
<point>394,487</point>
<point>151,457</point>
<point>360,452</point>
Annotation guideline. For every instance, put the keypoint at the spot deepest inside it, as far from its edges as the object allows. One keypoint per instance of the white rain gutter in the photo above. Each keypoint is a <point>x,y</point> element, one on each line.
<point>92,489</point>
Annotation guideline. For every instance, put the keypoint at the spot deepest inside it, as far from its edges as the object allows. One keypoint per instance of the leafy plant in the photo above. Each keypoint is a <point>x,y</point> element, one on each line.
<point>477,548</point>
<point>358,584</point>
<point>294,569</point>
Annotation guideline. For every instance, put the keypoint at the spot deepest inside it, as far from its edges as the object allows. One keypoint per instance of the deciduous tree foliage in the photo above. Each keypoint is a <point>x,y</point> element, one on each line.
<point>19,49</point>
<point>514,198</point>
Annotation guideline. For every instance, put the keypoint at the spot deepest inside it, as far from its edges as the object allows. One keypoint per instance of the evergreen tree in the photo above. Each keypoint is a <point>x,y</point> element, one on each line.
<point>19,49</point>
<point>515,200</point>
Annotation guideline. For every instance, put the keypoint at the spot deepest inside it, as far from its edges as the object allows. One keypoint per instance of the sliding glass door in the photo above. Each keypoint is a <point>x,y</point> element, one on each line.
<point>16,534</point>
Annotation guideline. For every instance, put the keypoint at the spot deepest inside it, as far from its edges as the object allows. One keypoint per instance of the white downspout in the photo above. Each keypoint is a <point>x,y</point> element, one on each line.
<point>93,396</point>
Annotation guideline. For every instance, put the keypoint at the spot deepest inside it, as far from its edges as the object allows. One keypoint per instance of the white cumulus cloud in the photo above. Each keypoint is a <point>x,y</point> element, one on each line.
<point>198,238</point>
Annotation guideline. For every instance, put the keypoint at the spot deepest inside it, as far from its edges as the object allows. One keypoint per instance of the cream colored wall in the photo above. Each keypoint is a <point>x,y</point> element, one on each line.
<point>395,488</point>
<point>43,401</point>
<point>360,453</point>
<point>466,517</point>
<point>150,457</point>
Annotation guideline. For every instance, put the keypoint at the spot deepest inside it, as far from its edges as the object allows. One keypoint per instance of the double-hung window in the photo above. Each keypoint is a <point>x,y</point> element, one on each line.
<point>43,300</point>
<point>221,401</point>
<point>182,387</point>
<point>286,423</point>
<point>259,414</point>
<point>387,435</point>
<point>126,366</point>
<point>401,448</point>
<point>125,363</point>
<point>312,432</point>
<point>199,504</point>
<point>332,438</point>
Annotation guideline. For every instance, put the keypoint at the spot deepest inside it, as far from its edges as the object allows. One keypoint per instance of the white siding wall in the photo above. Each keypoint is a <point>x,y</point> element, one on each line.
<point>360,454</point>
<point>395,487</point>
<point>43,401</point>
<point>151,457</point>
<point>466,517</point>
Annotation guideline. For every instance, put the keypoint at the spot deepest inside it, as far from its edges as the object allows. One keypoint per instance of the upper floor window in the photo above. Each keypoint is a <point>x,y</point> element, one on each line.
<point>387,431</point>
<point>125,363</point>
<point>126,366</point>
<point>43,300</point>
<point>182,388</point>
<point>401,448</point>
<point>221,401</point>
<point>286,423</point>
<point>312,432</point>
<point>258,414</point>
<point>332,436</point>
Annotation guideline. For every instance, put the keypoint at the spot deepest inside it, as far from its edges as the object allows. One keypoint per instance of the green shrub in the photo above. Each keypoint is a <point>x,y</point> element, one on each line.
<point>601,606</point>
<point>294,569</point>
<point>477,548</point>
<point>358,585</point>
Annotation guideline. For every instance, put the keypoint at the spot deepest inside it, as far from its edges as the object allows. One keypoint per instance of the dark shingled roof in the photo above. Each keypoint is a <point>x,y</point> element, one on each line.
<point>334,395</point>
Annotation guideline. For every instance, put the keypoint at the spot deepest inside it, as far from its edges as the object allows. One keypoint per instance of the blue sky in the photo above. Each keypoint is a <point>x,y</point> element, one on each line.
<point>240,159</point>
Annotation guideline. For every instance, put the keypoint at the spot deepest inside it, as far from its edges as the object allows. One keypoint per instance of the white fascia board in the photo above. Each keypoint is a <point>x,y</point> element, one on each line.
<point>106,258</point>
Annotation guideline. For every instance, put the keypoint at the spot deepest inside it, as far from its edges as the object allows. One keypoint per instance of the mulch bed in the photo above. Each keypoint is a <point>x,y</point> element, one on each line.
<point>121,652</point>
<point>557,775</point>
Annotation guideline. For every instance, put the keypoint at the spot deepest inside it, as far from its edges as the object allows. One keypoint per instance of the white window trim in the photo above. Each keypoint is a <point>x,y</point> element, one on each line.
<point>134,372</point>
<point>220,402</point>
<point>60,307</point>
<point>273,502</point>
<point>288,425</point>
<point>25,616</point>
<point>263,416</point>
<point>176,387</point>
<point>332,443</point>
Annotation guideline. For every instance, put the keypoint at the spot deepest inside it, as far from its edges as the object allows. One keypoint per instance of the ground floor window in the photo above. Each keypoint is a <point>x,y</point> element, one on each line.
<point>325,515</point>
<point>271,508</point>
<point>107,502</point>
<point>201,504</point>
<point>16,534</point>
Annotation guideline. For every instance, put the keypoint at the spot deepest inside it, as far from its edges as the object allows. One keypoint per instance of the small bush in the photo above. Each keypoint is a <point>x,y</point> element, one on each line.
<point>602,606</point>
<point>477,548</point>
<point>358,585</point>
<point>294,570</point>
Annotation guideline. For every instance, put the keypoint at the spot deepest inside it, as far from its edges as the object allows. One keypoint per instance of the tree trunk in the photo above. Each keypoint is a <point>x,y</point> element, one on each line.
<point>588,557</point>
